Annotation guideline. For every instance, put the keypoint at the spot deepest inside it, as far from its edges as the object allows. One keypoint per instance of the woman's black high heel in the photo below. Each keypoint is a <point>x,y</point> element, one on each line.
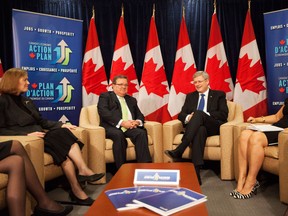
<point>77,201</point>
<point>91,178</point>
<point>45,212</point>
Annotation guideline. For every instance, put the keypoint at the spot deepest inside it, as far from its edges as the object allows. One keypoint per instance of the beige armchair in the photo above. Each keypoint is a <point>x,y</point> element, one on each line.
<point>219,147</point>
<point>275,160</point>
<point>34,148</point>
<point>100,148</point>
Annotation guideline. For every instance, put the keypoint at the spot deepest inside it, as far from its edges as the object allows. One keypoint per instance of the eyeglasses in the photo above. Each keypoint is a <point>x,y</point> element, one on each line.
<point>122,85</point>
<point>198,82</point>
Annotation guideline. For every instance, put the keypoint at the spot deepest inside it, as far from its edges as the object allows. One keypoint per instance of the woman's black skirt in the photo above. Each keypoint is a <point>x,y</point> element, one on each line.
<point>58,142</point>
<point>5,149</point>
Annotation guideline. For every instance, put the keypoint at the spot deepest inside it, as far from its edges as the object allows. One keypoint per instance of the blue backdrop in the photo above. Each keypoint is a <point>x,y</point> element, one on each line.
<point>276,42</point>
<point>50,49</point>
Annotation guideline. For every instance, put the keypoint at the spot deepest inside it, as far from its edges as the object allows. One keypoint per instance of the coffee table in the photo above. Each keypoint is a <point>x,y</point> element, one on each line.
<point>124,178</point>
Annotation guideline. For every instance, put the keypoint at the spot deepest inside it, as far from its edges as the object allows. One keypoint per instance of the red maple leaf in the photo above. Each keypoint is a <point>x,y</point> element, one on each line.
<point>282,42</point>
<point>248,76</point>
<point>152,79</point>
<point>92,80</point>
<point>32,55</point>
<point>34,85</point>
<point>281,89</point>
<point>182,80</point>
<point>118,68</point>
<point>218,74</point>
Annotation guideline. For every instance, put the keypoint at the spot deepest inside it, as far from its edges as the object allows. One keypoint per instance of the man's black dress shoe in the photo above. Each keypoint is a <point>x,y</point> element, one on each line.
<point>45,212</point>
<point>75,200</point>
<point>91,178</point>
<point>173,154</point>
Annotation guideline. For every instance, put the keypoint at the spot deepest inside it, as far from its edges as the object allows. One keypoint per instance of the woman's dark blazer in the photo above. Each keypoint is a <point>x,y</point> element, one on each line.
<point>16,121</point>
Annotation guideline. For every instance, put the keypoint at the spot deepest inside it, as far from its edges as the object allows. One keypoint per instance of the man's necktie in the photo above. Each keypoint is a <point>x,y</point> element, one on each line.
<point>202,102</point>
<point>124,111</point>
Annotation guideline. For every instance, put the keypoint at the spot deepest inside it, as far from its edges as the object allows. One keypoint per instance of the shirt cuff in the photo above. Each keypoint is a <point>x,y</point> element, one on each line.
<point>119,123</point>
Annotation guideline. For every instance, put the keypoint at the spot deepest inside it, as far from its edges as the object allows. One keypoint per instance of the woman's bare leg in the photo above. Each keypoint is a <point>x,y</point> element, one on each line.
<point>76,156</point>
<point>242,158</point>
<point>69,170</point>
<point>257,143</point>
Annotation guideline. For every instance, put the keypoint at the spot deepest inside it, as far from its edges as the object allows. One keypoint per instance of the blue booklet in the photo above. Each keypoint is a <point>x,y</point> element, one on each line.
<point>122,198</point>
<point>171,201</point>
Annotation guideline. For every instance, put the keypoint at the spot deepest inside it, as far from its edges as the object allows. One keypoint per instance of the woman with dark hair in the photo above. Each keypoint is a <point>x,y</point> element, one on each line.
<point>15,162</point>
<point>251,152</point>
<point>19,116</point>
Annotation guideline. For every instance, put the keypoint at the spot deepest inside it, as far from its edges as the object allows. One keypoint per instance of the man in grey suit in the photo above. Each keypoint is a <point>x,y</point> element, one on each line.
<point>202,114</point>
<point>121,118</point>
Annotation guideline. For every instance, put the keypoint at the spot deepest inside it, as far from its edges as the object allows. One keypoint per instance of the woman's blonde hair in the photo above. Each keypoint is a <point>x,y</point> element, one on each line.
<point>10,80</point>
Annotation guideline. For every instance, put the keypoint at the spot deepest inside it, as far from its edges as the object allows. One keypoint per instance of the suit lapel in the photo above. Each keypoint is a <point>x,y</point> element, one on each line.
<point>210,99</point>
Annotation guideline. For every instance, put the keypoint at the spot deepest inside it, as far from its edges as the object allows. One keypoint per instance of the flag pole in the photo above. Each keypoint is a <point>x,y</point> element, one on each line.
<point>153,14</point>
<point>249,4</point>
<point>183,11</point>
<point>93,12</point>
<point>214,4</point>
<point>122,10</point>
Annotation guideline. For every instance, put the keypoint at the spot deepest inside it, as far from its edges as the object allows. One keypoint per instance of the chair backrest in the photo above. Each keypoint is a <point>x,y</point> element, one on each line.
<point>235,111</point>
<point>90,115</point>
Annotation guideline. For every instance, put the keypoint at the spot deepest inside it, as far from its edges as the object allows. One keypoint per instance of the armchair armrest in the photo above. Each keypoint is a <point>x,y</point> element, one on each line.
<point>170,130</point>
<point>154,129</point>
<point>227,146</point>
<point>96,148</point>
<point>283,164</point>
<point>82,135</point>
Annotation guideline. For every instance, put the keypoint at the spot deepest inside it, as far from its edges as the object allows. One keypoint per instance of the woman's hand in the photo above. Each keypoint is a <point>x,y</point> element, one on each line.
<point>37,133</point>
<point>69,126</point>
<point>251,120</point>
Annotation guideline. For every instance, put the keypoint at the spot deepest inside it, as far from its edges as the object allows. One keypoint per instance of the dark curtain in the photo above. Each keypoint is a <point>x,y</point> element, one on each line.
<point>231,15</point>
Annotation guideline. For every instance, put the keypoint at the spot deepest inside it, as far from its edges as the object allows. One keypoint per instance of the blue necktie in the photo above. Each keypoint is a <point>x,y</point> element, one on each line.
<point>202,102</point>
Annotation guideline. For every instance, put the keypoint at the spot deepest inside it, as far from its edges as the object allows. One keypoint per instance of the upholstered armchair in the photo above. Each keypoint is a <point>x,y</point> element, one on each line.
<point>100,148</point>
<point>219,147</point>
<point>275,160</point>
<point>34,148</point>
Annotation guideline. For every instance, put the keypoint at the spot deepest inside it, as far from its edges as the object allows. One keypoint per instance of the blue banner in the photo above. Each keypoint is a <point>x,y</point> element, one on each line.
<point>276,42</point>
<point>50,49</point>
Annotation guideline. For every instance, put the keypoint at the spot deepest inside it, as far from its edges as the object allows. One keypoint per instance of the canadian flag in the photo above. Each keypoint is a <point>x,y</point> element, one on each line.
<point>1,70</point>
<point>250,87</point>
<point>154,89</point>
<point>184,68</point>
<point>122,62</point>
<point>94,80</point>
<point>216,64</point>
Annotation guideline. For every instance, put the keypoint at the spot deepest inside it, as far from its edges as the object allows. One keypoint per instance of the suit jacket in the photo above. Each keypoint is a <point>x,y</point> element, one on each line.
<point>216,106</point>
<point>109,109</point>
<point>15,121</point>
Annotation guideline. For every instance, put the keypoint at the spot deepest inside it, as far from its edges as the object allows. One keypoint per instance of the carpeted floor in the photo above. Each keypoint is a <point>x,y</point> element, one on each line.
<point>219,203</point>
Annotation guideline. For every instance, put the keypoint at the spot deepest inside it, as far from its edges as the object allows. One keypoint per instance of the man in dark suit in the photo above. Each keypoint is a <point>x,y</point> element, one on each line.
<point>202,114</point>
<point>121,118</point>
